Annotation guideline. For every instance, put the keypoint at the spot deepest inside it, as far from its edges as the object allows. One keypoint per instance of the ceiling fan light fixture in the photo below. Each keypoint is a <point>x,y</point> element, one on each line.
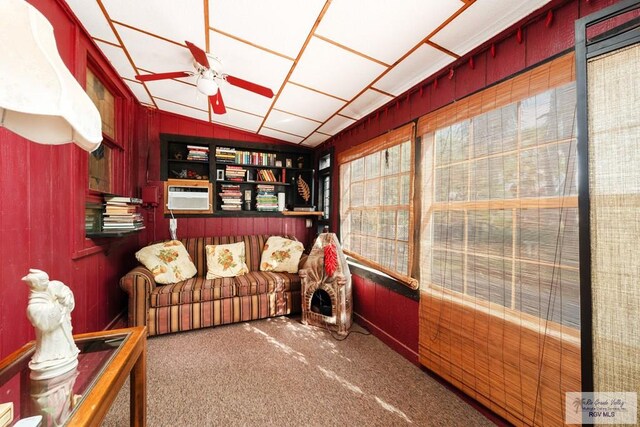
<point>207,86</point>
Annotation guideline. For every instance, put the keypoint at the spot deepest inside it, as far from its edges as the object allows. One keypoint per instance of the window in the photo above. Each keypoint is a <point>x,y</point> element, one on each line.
<point>100,160</point>
<point>503,219</point>
<point>499,273</point>
<point>324,193</point>
<point>376,181</point>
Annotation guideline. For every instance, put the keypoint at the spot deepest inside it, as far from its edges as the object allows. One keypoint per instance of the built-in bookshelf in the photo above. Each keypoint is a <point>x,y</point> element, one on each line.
<point>247,178</point>
<point>116,216</point>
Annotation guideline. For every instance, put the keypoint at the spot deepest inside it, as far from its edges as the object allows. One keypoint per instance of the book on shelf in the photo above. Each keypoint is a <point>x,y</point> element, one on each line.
<point>197,152</point>
<point>265,188</point>
<point>234,173</point>
<point>266,175</point>
<point>225,155</point>
<point>231,207</point>
<point>231,197</point>
<point>266,199</point>
<point>121,214</point>
<point>112,199</point>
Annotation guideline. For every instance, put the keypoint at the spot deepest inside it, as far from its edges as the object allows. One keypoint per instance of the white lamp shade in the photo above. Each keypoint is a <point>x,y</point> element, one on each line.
<point>39,98</point>
<point>207,87</point>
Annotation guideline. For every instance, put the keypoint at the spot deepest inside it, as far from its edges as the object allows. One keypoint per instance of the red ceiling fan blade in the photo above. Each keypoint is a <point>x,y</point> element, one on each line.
<point>162,76</point>
<point>217,103</point>
<point>198,54</point>
<point>260,90</point>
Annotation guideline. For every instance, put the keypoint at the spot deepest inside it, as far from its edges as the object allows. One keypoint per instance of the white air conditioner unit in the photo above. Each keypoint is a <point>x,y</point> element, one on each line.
<point>189,197</point>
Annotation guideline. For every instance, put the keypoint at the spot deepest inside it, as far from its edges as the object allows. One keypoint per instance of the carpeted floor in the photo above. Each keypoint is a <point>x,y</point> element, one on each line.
<point>280,372</point>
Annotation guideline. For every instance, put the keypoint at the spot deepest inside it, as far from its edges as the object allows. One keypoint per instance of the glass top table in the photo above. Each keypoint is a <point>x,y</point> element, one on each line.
<point>83,395</point>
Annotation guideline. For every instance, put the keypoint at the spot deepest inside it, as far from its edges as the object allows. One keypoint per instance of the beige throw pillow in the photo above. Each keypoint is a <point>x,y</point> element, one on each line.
<point>225,260</point>
<point>169,262</point>
<point>281,255</point>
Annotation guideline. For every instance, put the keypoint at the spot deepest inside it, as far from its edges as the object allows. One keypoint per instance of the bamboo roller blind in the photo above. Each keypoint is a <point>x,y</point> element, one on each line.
<point>499,274</point>
<point>376,203</point>
<point>614,186</point>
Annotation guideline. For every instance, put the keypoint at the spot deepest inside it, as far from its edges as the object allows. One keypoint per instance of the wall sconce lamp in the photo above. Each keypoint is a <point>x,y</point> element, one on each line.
<point>39,98</point>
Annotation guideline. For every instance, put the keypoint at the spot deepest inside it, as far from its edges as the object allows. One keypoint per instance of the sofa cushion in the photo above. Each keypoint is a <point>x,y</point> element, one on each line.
<point>253,246</point>
<point>226,260</point>
<point>168,261</point>
<point>258,282</point>
<point>196,289</point>
<point>281,255</point>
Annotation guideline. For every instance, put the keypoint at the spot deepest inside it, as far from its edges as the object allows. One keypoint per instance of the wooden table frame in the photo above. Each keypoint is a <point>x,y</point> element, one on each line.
<point>130,359</point>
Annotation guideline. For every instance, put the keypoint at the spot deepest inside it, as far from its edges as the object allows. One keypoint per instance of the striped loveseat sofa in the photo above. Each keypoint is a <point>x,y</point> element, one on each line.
<point>199,302</point>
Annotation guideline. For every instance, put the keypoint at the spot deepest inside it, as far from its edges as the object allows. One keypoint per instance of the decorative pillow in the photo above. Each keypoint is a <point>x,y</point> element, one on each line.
<point>225,260</point>
<point>169,262</point>
<point>281,255</point>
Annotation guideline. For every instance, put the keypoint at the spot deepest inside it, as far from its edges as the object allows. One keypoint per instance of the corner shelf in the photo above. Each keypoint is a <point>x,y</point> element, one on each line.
<point>124,208</point>
<point>225,181</point>
<point>99,234</point>
<point>302,213</point>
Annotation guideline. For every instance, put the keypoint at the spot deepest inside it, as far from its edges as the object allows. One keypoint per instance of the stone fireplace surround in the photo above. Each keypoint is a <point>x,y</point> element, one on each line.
<point>326,300</point>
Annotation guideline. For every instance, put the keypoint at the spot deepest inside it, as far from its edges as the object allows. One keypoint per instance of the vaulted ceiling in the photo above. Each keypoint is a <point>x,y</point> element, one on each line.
<point>328,62</point>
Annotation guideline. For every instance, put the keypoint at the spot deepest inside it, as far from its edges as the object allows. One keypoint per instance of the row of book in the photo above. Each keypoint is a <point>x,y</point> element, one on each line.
<point>197,152</point>
<point>121,214</point>
<point>231,155</point>
<point>231,197</point>
<point>267,175</point>
<point>266,199</point>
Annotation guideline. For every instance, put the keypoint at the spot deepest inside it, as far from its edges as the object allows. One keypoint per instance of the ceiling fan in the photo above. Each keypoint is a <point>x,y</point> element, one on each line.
<point>208,72</point>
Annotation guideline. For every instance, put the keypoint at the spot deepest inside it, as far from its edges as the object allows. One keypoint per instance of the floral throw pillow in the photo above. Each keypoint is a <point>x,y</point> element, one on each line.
<point>281,255</point>
<point>169,262</point>
<point>225,260</point>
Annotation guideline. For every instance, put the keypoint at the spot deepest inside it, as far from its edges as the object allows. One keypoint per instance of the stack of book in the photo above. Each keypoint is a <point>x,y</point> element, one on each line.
<point>234,173</point>
<point>121,214</point>
<point>231,197</point>
<point>197,152</point>
<point>225,155</point>
<point>266,199</point>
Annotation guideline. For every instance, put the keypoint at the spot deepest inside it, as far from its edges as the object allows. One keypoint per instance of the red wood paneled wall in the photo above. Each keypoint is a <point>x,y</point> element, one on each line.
<point>42,196</point>
<point>392,317</point>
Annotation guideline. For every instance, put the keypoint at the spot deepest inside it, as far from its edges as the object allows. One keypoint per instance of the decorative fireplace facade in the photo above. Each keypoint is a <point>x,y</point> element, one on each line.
<point>326,286</point>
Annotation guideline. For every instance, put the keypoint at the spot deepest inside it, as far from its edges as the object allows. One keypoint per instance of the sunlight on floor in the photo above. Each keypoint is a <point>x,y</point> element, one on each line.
<point>280,346</point>
<point>393,409</point>
<point>318,335</point>
<point>354,388</point>
<point>323,340</point>
<point>332,375</point>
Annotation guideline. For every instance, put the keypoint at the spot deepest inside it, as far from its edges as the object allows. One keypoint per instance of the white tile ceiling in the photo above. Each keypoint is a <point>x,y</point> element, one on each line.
<point>319,57</point>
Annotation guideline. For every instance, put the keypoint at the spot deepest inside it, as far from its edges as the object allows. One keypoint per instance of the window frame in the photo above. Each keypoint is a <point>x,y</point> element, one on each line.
<point>114,142</point>
<point>323,174</point>
<point>119,144</point>
<point>380,144</point>
<point>503,95</point>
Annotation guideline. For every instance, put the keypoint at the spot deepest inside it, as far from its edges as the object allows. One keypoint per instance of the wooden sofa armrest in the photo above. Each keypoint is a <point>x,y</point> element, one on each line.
<point>138,284</point>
